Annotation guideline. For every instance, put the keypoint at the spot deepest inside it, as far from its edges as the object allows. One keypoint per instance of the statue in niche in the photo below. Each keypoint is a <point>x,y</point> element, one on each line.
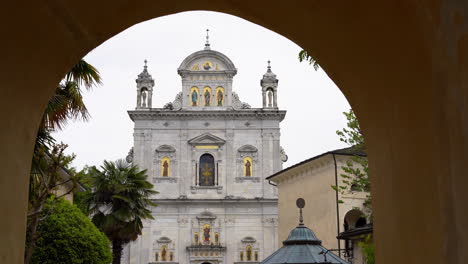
<point>196,239</point>
<point>270,98</point>
<point>165,169</point>
<point>143,97</point>
<point>164,254</point>
<point>216,239</point>
<point>206,235</point>
<point>207,97</point>
<point>219,98</point>
<point>194,98</point>
<point>241,256</point>
<point>248,168</point>
<point>171,256</point>
<point>156,256</point>
<point>249,253</point>
<point>256,255</point>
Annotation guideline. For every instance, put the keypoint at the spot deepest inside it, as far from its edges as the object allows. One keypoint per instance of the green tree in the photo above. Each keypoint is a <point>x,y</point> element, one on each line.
<point>67,236</point>
<point>356,174</point>
<point>120,199</point>
<point>79,198</point>
<point>48,173</point>
<point>356,169</point>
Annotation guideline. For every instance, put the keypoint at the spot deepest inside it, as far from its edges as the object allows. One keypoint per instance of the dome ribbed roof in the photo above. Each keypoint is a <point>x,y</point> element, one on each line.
<point>302,235</point>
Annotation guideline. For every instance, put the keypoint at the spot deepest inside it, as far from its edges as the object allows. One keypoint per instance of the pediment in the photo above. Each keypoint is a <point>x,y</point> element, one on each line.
<point>248,239</point>
<point>165,148</point>
<point>206,215</point>
<point>207,139</point>
<point>247,148</point>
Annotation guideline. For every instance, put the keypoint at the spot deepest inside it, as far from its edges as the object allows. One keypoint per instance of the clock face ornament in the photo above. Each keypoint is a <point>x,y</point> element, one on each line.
<point>207,65</point>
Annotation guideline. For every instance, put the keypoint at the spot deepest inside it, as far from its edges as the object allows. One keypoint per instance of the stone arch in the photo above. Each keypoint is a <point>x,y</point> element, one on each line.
<point>394,117</point>
<point>353,219</point>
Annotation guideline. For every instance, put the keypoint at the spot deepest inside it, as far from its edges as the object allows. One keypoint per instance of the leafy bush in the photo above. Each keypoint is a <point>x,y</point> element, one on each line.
<point>67,236</point>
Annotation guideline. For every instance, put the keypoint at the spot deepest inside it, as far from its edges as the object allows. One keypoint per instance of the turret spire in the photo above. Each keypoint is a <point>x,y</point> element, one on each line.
<point>269,85</point>
<point>145,84</point>
<point>207,44</point>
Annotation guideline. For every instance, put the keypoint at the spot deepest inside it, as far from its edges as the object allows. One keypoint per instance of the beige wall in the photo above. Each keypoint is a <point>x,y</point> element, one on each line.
<point>312,181</point>
<point>401,64</point>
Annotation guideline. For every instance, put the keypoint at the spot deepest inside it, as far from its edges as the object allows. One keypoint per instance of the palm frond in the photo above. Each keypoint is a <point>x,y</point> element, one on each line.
<point>85,74</point>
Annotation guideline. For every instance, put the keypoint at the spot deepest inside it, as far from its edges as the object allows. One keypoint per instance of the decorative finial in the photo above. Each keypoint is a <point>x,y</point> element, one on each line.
<point>300,203</point>
<point>146,66</point>
<point>207,44</point>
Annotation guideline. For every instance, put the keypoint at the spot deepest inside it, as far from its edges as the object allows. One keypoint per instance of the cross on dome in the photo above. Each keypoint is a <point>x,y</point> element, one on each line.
<point>207,44</point>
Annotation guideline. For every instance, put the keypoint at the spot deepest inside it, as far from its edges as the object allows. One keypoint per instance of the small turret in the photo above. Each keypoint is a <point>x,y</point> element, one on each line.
<point>145,84</point>
<point>269,85</point>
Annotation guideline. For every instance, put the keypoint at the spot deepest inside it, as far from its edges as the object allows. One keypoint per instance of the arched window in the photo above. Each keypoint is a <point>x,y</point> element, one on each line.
<point>207,96</point>
<point>194,94</point>
<point>165,167</point>
<point>248,252</point>
<point>354,218</point>
<point>207,170</point>
<point>219,96</point>
<point>248,167</point>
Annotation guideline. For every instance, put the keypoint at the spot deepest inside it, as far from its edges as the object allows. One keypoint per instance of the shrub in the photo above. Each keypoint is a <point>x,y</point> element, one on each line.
<point>67,236</point>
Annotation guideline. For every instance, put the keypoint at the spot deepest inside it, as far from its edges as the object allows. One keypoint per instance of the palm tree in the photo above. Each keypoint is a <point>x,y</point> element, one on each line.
<point>119,201</point>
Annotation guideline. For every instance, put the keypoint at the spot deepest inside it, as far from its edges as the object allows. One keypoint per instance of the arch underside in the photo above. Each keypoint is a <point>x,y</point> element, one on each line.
<point>405,78</point>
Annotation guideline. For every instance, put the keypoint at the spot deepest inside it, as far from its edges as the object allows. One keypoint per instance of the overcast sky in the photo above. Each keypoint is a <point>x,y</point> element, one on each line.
<point>313,102</point>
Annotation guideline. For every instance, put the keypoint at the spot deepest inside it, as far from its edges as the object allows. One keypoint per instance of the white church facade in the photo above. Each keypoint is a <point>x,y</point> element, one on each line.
<point>208,154</point>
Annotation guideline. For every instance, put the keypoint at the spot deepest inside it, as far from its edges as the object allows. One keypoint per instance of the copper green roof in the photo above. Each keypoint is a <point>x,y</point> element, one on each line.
<point>302,247</point>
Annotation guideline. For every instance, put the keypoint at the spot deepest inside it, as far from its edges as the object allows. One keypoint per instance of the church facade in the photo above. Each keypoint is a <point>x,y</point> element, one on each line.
<point>207,154</point>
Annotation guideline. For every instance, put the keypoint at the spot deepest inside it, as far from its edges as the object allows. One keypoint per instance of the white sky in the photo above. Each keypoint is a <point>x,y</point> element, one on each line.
<point>313,102</point>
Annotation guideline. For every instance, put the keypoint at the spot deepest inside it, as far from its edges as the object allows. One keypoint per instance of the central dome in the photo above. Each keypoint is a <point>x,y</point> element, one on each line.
<point>207,61</point>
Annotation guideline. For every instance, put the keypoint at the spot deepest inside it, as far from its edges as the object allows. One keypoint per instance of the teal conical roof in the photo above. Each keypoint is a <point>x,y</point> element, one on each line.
<point>302,247</point>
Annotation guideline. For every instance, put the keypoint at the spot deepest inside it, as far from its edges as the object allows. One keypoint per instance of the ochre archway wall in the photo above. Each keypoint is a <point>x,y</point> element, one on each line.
<point>402,65</point>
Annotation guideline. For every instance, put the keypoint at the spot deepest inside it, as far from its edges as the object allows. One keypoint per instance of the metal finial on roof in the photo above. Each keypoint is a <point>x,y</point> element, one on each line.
<point>300,204</point>
<point>269,66</point>
<point>146,66</point>
<point>207,44</point>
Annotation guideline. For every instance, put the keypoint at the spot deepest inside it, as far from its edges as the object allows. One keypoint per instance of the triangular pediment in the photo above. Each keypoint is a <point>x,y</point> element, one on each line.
<point>207,139</point>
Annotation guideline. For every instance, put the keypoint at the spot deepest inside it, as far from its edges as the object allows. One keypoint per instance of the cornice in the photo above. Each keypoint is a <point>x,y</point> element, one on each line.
<point>215,201</point>
<point>161,114</point>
